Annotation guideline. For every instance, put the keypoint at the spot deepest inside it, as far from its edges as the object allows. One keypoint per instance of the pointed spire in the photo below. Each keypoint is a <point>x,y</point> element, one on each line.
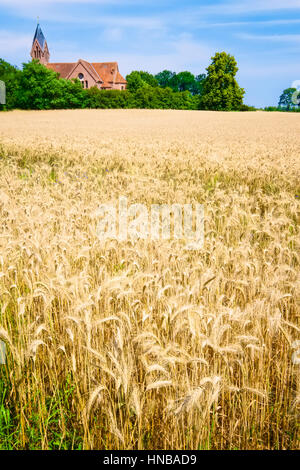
<point>39,50</point>
<point>39,36</point>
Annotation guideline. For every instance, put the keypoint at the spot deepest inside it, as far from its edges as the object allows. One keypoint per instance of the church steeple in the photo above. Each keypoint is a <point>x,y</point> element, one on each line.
<point>39,50</point>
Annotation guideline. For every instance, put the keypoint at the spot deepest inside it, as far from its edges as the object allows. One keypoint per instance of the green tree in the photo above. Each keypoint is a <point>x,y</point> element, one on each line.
<point>220,88</point>
<point>149,78</point>
<point>162,98</point>
<point>197,88</point>
<point>135,81</point>
<point>286,99</point>
<point>185,81</point>
<point>41,88</point>
<point>165,78</point>
<point>109,99</point>
<point>11,77</point>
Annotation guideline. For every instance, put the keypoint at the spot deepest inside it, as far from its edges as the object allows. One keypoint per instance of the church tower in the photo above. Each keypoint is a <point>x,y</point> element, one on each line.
<point>39,50</point>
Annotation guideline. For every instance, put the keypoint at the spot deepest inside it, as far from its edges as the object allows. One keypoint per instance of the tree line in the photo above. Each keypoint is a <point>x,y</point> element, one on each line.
<point>36,87</point>
<point>289,101</point>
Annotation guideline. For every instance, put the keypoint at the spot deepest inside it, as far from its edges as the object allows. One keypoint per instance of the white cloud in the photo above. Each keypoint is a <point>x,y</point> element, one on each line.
<point>12,42</point>
<point>231,7</point>
<point>112,34</point>
<point>20,3</point>
<point>271,71</point>
<point>249,23</point>
<point>293,38</point>
<point>182,54</point>
<point>208,13</point>
<point>251,6</point>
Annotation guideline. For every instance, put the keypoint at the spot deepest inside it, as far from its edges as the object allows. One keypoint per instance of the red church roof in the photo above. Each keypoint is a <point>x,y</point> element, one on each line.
<point>105,72</point>
<point>64,69</point>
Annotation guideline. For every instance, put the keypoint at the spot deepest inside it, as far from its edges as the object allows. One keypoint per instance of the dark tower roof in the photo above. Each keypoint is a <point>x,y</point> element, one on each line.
<point>39,36</point>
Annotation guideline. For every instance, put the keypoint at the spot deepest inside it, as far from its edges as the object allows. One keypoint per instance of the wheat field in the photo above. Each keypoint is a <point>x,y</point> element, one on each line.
<point>145,345</point>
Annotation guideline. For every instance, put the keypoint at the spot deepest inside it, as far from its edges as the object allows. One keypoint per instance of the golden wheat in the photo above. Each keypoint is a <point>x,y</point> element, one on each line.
<point>146,345</point>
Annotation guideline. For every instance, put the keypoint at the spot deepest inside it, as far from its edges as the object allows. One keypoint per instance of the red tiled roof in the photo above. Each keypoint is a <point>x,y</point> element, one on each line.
<point>109,73</point>
<point>106,72</point>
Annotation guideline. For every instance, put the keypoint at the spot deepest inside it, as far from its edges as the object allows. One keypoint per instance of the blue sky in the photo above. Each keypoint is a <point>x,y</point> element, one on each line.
<point>152,35</point>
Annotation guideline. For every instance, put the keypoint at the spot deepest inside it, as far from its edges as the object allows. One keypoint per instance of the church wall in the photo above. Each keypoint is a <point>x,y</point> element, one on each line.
<point>119,86</point>
<point>87,76</point>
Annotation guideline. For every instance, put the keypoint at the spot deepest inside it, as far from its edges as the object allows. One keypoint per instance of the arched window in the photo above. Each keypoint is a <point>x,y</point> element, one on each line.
<point>81,78</point>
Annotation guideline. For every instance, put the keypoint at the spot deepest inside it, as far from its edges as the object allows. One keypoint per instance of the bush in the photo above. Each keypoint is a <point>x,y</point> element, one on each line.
<point>245,107</point>
<point>282,110</point>
<point>108,99</point>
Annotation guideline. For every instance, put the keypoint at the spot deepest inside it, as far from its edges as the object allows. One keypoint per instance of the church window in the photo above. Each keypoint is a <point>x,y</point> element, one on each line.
<point>81,78</point>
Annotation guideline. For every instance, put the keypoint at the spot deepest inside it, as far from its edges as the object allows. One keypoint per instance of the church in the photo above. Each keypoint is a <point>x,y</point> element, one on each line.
<point>103,75</point>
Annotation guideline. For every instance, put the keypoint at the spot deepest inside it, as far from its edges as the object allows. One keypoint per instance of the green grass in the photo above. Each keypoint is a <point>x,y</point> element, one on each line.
<point>51,421</point>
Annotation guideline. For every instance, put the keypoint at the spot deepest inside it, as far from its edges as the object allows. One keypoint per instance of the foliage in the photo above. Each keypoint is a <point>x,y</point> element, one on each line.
<point>245,107</point>
<point>149,79</point>
<point>282,110</point>
<point>220,88</point>
<point>286,99</point>
<point>165,78</point>
<point>41,89</point>
<point>143,97</point>
<point>11,77</point>
<point>109,99</point>
<point>37,87</point>
<point>135,81</point>
<point>183,81</point>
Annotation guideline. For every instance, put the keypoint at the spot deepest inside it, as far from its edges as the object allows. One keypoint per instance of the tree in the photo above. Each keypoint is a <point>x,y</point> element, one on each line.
<point>165,78</point>
<point>197,88</point>
<point>220,88</point>
<point>41,88</point>
<point>109,99</point>
<point>135,81</point>
<point>185,81</point>
<point>11,77</point>
<point>149,78</point>
<point>287,99</point>
<point>140,79</point>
